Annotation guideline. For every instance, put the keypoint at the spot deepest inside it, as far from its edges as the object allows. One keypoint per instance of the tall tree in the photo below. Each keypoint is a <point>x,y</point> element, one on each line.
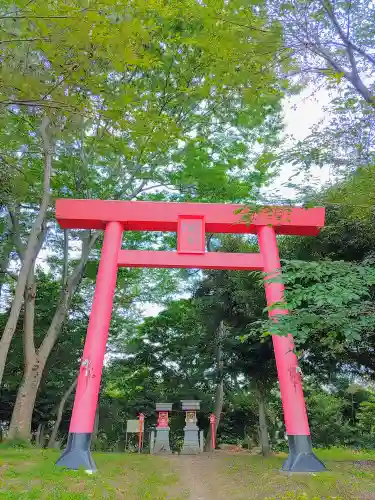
<point>333,47</point>
<point>169,113</point>
<point>152,98</point>
<point>333,40</point>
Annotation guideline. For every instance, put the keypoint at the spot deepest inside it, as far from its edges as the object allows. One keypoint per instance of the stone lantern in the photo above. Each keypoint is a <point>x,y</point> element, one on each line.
<point>191,430</point>
<point>161,445</point>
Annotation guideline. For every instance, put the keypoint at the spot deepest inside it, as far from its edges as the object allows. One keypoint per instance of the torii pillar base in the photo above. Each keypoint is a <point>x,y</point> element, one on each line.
<point>77,454</point>
<point>301,456</point>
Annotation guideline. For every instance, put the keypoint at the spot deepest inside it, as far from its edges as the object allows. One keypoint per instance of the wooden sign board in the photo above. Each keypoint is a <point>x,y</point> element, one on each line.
<point>133,426</point>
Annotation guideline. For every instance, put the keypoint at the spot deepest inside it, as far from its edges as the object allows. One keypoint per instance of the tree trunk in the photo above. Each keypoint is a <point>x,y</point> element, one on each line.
<point>20,425</point>
<point>263,428</point>
<point>96,425</point>
<point>60,411</point>
<point>39,437</point>
<point>15,309</point>
<point>219,393</point>
<point>4,263</point>
<point>219,400</point>
<point>32,250</point>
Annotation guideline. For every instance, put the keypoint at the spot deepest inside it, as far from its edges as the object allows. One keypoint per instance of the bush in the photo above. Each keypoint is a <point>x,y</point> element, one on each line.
<point>15,444</point>
<point>328,427</point>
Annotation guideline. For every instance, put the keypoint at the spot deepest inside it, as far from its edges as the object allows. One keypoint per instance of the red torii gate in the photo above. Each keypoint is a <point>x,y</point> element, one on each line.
<point>191,221</point>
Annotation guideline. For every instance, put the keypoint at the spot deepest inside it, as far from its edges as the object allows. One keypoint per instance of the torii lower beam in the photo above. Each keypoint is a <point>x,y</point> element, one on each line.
<point>174,260</point>
<point>191,221</point>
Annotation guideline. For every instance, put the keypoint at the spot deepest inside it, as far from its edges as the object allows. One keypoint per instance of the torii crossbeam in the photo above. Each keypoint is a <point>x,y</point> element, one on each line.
<point>191,221</point>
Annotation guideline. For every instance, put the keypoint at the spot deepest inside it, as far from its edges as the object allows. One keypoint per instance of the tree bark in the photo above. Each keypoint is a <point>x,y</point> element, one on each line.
<point>14,213</point>
<point>219,401</point>
<point>39,437</point>
<point>96,425</point>
<point>219,393</point>
<point>32,249</point>
<point>263,428</point>
<point>7,247</point>
<point>60,411</point>
<point>4,262</point>
<point>20,424</point>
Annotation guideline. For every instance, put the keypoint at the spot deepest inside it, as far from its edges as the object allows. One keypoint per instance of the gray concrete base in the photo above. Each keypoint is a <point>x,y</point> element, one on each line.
<point>191,440</point>
<point>152,441</point>
<point>77,454</point>
<point>201,441</point>
<point>161,445</point>
<point>301,457</point>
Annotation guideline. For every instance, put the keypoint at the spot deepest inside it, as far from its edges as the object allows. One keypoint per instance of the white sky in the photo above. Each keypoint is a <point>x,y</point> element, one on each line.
<point>301,113</point>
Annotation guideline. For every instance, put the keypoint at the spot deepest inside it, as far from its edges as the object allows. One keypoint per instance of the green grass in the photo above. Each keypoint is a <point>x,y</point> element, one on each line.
<point>344,454</point>
<point>32,474</point>
<point>344,479</point>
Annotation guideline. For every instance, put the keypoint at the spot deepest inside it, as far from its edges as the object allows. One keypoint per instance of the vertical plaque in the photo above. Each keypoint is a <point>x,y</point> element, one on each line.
<point>191,234</point>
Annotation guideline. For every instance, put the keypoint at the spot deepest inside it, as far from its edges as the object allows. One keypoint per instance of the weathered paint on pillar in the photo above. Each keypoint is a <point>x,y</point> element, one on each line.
<point>286,361</point>
<point>86,398</point>
<point>301,458</point>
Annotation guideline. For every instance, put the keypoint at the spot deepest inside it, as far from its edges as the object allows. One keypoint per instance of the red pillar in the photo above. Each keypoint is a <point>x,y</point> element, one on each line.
<point>77,453</point>
<point>301,457</point>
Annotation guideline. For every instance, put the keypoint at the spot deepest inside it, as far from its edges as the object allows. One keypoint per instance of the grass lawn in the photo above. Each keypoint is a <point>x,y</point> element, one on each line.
<point>344,480</point>
<point>31,474</point>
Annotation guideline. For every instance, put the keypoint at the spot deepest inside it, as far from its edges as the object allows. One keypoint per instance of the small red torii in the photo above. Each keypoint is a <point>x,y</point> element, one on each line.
<point>191,221</point>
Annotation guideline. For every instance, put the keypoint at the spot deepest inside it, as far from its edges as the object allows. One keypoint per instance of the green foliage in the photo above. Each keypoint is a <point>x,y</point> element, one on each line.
<point>126,109</point>
<point>180,101</point>
<point>366,422</point>
<point>356,191</point>
<point>332,297</point>
<point>328,427</point>
<point>16,444</point>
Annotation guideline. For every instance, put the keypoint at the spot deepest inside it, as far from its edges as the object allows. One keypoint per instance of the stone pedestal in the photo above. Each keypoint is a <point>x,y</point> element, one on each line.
<point>301,457</point>
<point>191,430</point>
<point>161,445</point>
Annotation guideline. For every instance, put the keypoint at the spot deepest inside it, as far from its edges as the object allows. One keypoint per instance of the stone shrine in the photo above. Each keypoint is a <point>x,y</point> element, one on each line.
<point>161,445</point>
<point>191,430</point>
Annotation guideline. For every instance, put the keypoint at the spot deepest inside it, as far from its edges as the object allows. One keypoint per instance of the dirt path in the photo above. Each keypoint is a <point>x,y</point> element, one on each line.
<point>200,476</point>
